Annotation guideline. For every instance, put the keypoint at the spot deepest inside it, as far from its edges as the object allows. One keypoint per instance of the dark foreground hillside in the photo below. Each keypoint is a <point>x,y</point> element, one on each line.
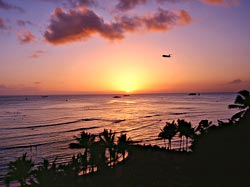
<point>221,158</point>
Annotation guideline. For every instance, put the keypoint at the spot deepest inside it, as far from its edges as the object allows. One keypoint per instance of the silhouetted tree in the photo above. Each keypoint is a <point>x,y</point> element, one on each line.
<point>168,132</point>
<point>123,143</point>
<point>83,161</point>
<point>189,133</point>
<point>241,102</point>
<point>185,129</point>
<point>107,138</point>
<point>181,129</point>
<point>86,141</point>
<point>20,170</point>
<point>203,127</point>
<point>46,175</point>
<point>98,156</point>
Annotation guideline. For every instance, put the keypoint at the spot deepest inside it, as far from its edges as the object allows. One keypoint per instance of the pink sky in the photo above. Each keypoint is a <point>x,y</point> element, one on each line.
<point>94,46</point>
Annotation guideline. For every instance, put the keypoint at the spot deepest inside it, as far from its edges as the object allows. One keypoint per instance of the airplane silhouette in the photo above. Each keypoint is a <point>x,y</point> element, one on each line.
<point>167,56</point>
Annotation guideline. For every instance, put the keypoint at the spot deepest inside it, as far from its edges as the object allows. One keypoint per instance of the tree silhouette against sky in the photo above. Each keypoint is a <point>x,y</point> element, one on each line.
<point>168,132</point>
<point>241,102</point>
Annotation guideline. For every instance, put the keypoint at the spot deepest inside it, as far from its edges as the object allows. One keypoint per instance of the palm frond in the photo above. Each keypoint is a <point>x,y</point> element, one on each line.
<point>236,106</point>
<point>238,115</point>
<point>239,100</point>
<point>244,93</point>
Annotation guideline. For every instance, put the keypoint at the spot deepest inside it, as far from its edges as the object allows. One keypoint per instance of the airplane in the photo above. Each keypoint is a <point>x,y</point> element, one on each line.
<point>167,56</point>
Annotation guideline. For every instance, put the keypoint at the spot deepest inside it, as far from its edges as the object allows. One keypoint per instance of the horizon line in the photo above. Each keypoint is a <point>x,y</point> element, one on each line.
<point>125,93</point>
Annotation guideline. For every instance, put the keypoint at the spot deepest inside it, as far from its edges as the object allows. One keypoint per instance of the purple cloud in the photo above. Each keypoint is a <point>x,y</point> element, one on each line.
<point>161,20</point>
<point>83,3</point>
<point>79,24</point>
<point>2,24</point>
<point>37,54</point>
<point>129,23</point>
<point>184,17</point>
<point>76,25</point>
<point>221,2</point>
<point>25,37</point>
<point>170,1</point>
<point>17,89</point>
<point>236,81</point>
<point>125,5</point>
<point>7,6</point>
<point>23,23</point>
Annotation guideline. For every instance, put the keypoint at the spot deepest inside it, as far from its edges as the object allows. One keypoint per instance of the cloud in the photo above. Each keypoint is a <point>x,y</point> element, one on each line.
<point>76,25</point>
<point>124,5</point>
<point>25,37</point>
<point>37,83</point>
<point>7,6</point>
<point>82,3</point>
<point>129,23</point>
<point>164,20</point>
<point>2,24</point>
<point>79,24</point>
<point>171,1</point>
<point>184,17</point>
<point>23,23</point>
<point>17,89</point>
<point>236,81</point>
<point>52,1</point>
<point>37,54</point>
<point>221,2</point>
<point>2,87</point>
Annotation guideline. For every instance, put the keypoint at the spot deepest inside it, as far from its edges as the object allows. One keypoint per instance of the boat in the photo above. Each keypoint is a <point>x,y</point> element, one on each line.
<point>194,94</point>
<point>117,96</point>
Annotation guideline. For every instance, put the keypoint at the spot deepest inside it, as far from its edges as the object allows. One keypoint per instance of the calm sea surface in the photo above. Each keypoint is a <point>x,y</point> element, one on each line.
<point>44,126</point>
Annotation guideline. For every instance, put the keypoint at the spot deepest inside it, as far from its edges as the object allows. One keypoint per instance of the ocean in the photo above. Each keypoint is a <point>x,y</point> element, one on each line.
<point>44,126</point>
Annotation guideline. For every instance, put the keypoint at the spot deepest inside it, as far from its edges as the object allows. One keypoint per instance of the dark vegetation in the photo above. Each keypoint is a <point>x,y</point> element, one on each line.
<point>219,156</point>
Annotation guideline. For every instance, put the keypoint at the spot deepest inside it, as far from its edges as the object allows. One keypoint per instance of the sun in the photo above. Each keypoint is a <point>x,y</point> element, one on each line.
<point>128,90</point>
<point>126,83</point>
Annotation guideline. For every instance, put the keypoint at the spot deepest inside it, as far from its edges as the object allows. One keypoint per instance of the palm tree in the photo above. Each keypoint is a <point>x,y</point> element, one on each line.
<point>241,102</point>
<point>86,141</point>
<point>168,132</point>
<point>203,127</point>
<point>20,170</point>
<point>123,143</point>
<point>181,129</point>
<point>107,138</point>
<point>46,174</point>
<point>98,156</point>
<point>83,161</point>
<point>189,133</point>
<point>185,129</point>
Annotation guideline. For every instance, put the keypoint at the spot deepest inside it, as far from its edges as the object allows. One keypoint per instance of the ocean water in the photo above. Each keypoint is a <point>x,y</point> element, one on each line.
<point>44,126</point>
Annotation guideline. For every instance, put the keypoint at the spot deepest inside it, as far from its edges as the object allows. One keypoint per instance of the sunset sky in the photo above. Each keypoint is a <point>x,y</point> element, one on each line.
<point>114,46</point>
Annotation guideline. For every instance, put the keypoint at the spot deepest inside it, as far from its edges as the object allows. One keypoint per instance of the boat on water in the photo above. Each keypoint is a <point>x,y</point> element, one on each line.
<point>117,96</point>
<point>194,94</point>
